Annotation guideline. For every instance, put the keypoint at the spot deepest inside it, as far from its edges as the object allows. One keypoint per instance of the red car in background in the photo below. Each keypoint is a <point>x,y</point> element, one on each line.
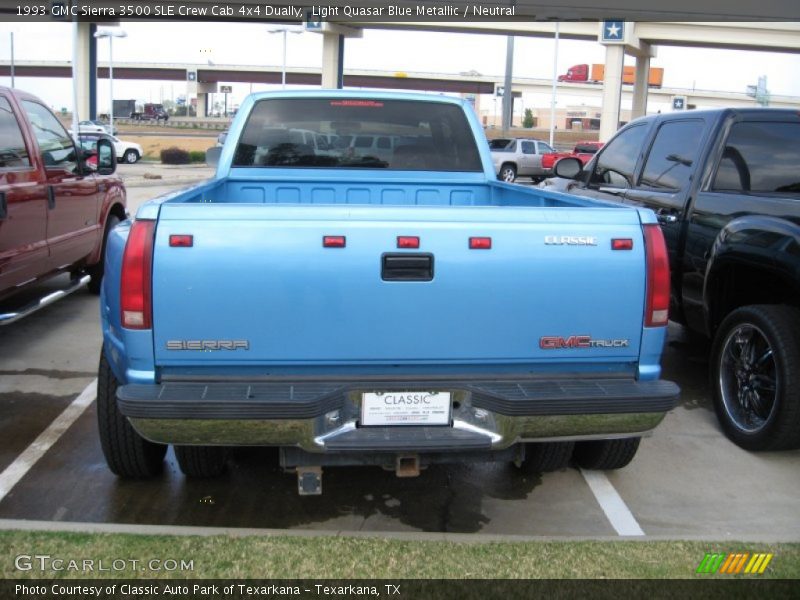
<point>583,151</point>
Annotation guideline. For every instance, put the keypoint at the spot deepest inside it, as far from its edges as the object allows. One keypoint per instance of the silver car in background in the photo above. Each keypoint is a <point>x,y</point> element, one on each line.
<point>521,157</point>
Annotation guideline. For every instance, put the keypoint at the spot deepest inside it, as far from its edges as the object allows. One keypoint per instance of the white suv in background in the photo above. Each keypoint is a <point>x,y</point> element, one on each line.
<point>128,152</point>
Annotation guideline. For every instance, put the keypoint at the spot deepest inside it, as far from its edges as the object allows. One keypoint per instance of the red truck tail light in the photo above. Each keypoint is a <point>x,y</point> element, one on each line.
<point>135,286</point>
<point>657,304</point>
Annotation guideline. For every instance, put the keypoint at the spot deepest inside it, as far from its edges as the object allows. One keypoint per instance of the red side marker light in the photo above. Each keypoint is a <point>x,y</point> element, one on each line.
<point>622,244</point>
<point>181,241</point>
<point>480,243</point>
<point>334,241</point>
<point>407,241</point>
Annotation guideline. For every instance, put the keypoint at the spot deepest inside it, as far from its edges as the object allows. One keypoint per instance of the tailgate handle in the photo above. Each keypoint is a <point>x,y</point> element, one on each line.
<point>407,267</point>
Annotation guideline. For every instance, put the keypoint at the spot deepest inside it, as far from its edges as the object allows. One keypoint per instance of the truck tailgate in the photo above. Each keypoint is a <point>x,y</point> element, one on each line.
<point>258,287</point>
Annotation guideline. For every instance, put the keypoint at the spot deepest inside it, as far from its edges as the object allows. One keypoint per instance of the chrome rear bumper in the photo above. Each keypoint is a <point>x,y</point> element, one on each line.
<point>324,416</point>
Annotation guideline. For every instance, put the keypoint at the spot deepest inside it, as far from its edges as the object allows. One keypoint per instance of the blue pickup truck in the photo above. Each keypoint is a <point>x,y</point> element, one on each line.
<point>393,308</point>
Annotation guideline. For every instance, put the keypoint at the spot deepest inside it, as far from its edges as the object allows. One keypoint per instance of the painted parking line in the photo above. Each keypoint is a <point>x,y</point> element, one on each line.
<point>23,463</point>
<point>614,507</point>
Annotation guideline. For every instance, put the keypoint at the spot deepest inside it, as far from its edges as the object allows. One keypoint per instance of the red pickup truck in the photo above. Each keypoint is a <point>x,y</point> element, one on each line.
<point>55,209</point>
<point>583,151</point>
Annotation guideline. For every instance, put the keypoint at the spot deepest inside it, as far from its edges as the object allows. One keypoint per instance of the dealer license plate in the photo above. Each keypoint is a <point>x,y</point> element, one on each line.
<point>405,408</point>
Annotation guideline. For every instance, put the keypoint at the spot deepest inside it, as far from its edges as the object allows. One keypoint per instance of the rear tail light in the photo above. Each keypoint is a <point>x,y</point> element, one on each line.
<point>657,304</point>
<point>135,288</point>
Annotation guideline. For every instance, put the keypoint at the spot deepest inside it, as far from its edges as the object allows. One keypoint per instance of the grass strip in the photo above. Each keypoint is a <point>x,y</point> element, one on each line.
<point>359,557</point>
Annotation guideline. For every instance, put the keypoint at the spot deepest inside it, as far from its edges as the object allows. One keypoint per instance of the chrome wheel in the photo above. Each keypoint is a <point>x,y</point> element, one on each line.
<point>748,377</point>
<point>508,174</point>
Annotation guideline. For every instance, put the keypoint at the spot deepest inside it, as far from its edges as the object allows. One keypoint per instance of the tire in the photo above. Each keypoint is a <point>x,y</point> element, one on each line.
<point>546,456</point>
<point>508,173</point>
<point>130,156</point>
<point>755,376</point>
<point>96,270</point>
<point>202,462</point>
<point>128,454</point>
<point>606,455</point>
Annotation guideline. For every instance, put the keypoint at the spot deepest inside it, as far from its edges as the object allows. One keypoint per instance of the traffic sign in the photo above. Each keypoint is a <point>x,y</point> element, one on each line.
<point>613,32</point>
<point>313,22</point>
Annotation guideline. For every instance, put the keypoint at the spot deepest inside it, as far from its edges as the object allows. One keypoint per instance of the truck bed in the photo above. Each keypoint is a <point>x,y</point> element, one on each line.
<point>310,188</point>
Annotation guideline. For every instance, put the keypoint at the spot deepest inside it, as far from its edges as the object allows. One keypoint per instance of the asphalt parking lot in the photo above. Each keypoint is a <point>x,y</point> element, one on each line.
<point>687,481</point>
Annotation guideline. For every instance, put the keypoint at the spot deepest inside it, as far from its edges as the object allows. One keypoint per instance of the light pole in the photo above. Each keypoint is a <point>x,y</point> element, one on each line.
<point>110,34</point>
<point>284,30</point>
<point>12,59</point>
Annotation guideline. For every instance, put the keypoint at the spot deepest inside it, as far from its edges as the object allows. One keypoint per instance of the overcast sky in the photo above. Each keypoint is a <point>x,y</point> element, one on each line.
<point>387,50</point>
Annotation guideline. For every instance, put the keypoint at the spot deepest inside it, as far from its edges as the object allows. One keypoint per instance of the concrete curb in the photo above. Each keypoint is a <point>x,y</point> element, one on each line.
<point>410,536</point>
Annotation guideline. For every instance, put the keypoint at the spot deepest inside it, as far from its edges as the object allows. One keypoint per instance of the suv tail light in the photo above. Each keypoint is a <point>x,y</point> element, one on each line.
<point>135,287</point>
<point>657,304</point>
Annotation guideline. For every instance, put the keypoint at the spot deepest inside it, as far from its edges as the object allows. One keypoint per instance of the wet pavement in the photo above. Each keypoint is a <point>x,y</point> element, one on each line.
<point>687,480</point>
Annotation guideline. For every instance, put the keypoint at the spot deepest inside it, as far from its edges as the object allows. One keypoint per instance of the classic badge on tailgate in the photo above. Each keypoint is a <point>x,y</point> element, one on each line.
<point>405,408</point>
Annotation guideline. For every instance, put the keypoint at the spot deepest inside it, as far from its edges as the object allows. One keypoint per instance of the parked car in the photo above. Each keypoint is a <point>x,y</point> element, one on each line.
<point>725,185</point>
<point>514,158</point>
<point>583,151</point>
<point>129,152</point>
<point>56,211</point>
<point>96,126</point>
<point>357,311</point>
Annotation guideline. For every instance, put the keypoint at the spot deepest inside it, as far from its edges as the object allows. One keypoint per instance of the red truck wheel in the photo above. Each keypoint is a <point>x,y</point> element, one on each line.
<point>96,270</point>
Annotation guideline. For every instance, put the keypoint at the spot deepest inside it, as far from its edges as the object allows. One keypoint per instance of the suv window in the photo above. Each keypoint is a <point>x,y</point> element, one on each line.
<point>528,147</point>
<point>57,148</point>
<point>616,162</point>
<point>669,163</point>
<point>545,148</point>
<point>760,157</point>
<point>13,153</point>
<point>501,145</point>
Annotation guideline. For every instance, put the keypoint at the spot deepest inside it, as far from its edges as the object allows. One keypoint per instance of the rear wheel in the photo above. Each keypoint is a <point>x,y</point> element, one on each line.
<point>605,455</point>
<point>546,456</point>
<point>130,156</point>
<point>755,375</point>
<point>202,462</point>
<point>127,453</point>
<point>508,173</point>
